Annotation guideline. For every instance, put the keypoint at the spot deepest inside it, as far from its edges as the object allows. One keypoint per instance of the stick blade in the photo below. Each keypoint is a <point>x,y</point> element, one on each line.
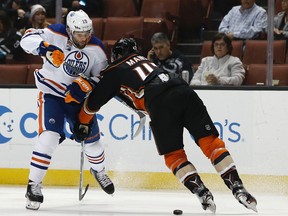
<point>81,196</point>
<point>141,125</point>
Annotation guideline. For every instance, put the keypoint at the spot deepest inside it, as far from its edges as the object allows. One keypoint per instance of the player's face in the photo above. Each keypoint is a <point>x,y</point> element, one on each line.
<point>220,48</point>
<point>80,39</point>
<point>162,50</point>
<point>246,4</point>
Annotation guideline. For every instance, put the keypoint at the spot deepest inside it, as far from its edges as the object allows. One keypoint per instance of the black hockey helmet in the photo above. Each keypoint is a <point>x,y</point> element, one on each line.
<point>124,46</point>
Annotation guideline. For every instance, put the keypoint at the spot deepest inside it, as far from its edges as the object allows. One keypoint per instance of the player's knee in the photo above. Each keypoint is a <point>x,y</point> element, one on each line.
<point>94,148</point>
<point>175,159</point>
<point>212,147</point>
<point>47,142</point>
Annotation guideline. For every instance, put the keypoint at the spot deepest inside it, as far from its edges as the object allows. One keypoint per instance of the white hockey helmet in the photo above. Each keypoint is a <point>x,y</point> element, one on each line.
<point>78,21</point>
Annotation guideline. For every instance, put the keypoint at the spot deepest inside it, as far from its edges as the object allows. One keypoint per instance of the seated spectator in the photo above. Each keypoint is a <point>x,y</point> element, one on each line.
<point>246,21</point>
<point>280,22</point>
<point>17,11</point>
<point>9,40</point>
<point>171,61</point>
<point>38,17</point>
<point>222,68</point>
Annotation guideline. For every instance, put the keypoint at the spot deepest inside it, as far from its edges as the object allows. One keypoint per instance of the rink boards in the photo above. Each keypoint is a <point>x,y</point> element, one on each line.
<point>253,125</point>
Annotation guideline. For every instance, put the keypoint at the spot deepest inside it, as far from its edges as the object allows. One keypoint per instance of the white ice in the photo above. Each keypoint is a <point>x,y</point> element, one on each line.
<point>64,201</point>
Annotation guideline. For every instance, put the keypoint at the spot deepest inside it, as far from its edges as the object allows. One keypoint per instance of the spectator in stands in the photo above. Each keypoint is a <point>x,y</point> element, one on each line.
<point>246,21</point>
<point>49,5</point>
<point>37,18</point>
<point>9,39</point>
<point>281,22</point>
<point>17,11</point>
<point>222,68</point>
<point>163,56</point>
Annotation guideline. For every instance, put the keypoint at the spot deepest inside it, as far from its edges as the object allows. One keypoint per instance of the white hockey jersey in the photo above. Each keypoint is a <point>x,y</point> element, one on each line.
<point>49,79</point>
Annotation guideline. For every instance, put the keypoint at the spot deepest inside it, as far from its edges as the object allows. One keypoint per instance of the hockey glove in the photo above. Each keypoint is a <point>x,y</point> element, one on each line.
<point>82,131</point>
<point>53,54</point>
<point>79,89</point>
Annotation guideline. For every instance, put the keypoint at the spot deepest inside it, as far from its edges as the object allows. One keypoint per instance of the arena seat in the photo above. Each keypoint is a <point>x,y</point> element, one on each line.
<point>117,27</point>
<point>255,52</point>
<point>13,73</point>
<point>119,8</point>
<point>278,6</point>
<point>160,16</point>
<point>280,73</point>
<point>256,75</point>
<point>98,26</point>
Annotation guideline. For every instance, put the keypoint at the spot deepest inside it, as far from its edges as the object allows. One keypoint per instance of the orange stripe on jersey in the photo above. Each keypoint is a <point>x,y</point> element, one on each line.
<point>41,161</point>
<point>56,84</point>
<point>93,137</point>
<point>136,97</point>
<point>40,113</point>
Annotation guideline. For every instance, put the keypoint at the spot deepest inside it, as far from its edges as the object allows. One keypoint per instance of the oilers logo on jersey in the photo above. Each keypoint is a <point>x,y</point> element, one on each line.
<point>77,62</point>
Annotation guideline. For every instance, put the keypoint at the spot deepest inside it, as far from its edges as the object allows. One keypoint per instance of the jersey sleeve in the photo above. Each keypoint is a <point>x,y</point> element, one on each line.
<point>31,39</point>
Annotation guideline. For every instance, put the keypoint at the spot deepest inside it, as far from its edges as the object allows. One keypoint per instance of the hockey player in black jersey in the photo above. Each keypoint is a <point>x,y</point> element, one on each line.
<point>172,105</point>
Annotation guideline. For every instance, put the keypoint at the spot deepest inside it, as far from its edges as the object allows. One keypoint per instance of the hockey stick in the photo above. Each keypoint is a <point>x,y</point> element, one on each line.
<point>141,115</point>
<point>81,195</point>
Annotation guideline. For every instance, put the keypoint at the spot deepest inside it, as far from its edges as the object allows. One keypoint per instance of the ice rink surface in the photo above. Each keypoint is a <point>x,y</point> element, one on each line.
<point>64,201</point>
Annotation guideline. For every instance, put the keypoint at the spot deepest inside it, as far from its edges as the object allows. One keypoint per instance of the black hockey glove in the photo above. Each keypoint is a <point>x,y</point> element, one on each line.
<point>82,131</point>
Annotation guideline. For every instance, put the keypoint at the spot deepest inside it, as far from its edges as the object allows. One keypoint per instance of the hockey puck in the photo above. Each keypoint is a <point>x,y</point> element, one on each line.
<point>177,212</point>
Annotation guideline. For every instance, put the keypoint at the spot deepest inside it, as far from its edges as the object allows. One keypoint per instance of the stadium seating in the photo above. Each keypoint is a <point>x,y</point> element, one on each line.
<point>117,27</point>
<point>255,52</point>
<point>256,74</point>
<point>98,26</point>
<point>119,8</point>
<point>13,73</point>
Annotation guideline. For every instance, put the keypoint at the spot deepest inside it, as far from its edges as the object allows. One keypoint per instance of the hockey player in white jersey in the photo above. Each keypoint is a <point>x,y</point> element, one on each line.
<point>67,51</point>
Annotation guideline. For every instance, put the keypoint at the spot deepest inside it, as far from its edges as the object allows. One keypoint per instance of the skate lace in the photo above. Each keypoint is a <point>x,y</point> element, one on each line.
<point>36,188</point>
<point>103,179</point>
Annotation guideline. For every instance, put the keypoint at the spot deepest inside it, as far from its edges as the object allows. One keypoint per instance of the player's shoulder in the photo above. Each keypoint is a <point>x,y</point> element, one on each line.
<point>58,29</point>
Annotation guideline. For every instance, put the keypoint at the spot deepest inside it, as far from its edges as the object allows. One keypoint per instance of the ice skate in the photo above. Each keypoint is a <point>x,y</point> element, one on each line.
<point>196,186</point>
<point>245,198</point>
<point>34,195</point>
<point>103,180</point>
<point>207,201</point>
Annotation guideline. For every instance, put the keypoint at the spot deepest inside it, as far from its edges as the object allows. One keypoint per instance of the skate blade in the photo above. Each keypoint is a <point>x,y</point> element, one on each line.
<point>32,205</point>
<point>249,205</point>
<point>210,206</point>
